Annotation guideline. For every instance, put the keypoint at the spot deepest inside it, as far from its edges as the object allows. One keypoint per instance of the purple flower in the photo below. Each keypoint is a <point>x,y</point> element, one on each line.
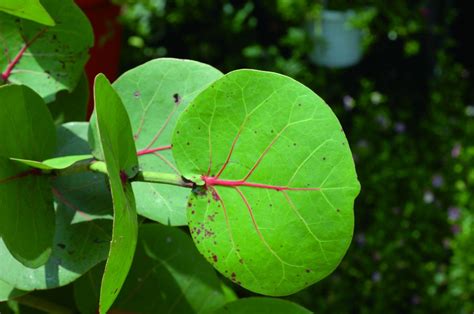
<point>376,276</point>
<point>456,151</point>
<point>349,102</point>
<point>437,181</point>
<point>453,213</point>
<point>399,127</point>
<point>428,197</point>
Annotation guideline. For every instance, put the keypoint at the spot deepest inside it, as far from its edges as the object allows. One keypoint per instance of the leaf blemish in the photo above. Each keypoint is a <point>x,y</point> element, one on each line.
<point>176,98</point>
<point>214,258</point>
<point>61,245</point>
<point>136,94</point>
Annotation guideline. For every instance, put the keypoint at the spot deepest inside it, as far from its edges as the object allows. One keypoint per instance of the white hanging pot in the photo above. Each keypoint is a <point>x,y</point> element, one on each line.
<point>337,44</point>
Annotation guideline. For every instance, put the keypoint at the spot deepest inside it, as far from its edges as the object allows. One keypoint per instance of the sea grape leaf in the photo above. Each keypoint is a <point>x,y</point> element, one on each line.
<point>47,59</point>
<point>168,275</point>
<point>8,292</point>
<point>275,212</point>
<point>27,131</point>
<point>154,95</point>
<point>53,163</point>
<point>262,306</point>
<point>83,223</point>
<point>25,119</point>
<point>87,290</point>
<point>121,160</point>
<point>27,9</point>
<point>71,106</point>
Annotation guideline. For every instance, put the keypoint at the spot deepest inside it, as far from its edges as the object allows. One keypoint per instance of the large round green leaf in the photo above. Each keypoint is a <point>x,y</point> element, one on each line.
<point>154,95</point>
<point>120,157</point>
<point>83,223</point>
<point>26,210</point>
<point>275,212</point>
<point>47,59</point>
<point>168,275</point>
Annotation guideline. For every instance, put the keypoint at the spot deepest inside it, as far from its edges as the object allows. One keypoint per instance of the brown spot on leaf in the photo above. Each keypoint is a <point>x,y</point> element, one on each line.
<point>176,98</point>
<point>208,233</point>
<point>214,258</point>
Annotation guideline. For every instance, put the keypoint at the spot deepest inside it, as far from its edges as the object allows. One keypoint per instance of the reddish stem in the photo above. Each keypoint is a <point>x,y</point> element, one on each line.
<point>213,181</point>
<point>152,150</point>
<point>20,175</point>
<point>8,71</point>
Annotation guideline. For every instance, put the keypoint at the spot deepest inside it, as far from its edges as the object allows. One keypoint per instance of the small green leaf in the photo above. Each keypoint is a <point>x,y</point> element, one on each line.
<point>27,9</point>
<point>83,223</point>
<point>262,306</point>
<point>53,163</point>
<point>8,292</point>
<point>120,157</point>
<point>71,106</point>
<point>47,59</point>
<point>280,182</point>
<point>27,132</point>
<point>154,95</point>
<point>168,275</point>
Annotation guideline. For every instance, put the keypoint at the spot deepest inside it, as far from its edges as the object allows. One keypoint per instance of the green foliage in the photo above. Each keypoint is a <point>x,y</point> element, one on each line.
<point>165,264</point>
<point>55,54</point>
<point>27,9</point>
<point>83,224</point>
<point>262,306</point>
<point>407,112</point>
<point>281,155</point>
<point>8,291</point>
<point>153,107</point>
<point>116,141</point>
<point>71,106</point>
<point>29,238</point>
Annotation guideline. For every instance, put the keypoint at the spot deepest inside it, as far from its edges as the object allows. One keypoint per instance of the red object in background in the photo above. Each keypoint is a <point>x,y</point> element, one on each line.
<point>105,55</point>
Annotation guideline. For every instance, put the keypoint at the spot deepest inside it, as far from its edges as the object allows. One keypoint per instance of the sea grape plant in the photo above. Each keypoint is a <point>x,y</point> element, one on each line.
<point>254,163</point>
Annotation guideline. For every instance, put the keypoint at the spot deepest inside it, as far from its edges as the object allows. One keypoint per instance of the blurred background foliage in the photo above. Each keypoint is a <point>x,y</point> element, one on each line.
<point>407,108</point>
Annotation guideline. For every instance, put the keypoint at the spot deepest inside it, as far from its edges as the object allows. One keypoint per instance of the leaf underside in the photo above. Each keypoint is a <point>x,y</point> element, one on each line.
<point>168,275</point>
<point>83,223</point>
<point>50,59</point>
<point>120,157</point>
<point>29,232</point>
<point>154,95</point>
<point>276,212</point>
